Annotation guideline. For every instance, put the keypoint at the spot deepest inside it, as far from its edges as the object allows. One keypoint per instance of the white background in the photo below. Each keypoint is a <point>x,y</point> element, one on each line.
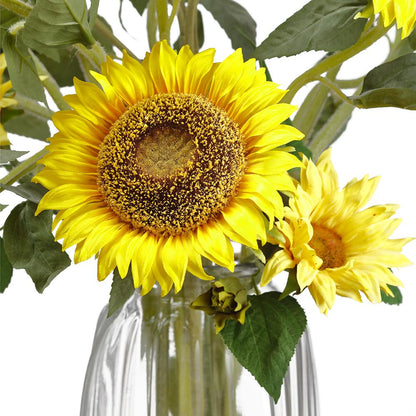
<point>365,354</point>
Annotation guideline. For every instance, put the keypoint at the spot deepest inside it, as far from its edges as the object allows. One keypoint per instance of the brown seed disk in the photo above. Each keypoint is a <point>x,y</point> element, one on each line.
<point>171,163</point>
<point>328,246</point>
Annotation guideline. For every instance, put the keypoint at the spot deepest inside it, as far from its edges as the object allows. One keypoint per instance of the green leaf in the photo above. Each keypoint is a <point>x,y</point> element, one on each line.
<point>26,124</point>
<point>237,23</point>
<point>2,207</point>
<point>7,155</point>
<point>92,12</point>
<point>139,5</point>
<point>104,42</point>
<point>397,299</point>
<point>327,25</point>
<point>56,23</point>
<point>65,68</point>
<point>412,40</point>
<point>121,290</point>
<point>6,269</point>
<point>392,84</point>
<point>29,190</point>
<point>21,69</point>
<point>266,342</point>
<point>300,147</point>
<point>30,245</point>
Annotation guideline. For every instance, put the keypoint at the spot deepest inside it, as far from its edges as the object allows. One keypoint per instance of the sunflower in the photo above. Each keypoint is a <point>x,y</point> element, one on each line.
<point>166,163</point>
<point>337,246</point>
<point>4,101</point>
<point>404,11</point>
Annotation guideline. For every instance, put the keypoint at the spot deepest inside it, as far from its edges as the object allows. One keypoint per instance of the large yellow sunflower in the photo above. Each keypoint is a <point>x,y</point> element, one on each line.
<point>336,246</point>
<point>174,157</point>
<point>404,11</point>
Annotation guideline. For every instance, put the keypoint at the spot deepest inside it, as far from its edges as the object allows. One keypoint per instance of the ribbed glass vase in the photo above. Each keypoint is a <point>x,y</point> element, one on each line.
<point>158,357</point>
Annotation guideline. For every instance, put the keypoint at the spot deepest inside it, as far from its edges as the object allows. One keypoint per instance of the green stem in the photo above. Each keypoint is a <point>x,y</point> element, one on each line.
<point>191,30</point>
<point>17,7</point>
<point>105,31</point>
<point>151,24</point>
<point>33,107</point>
<point>310,110</point>
<point>334,88</point>
<point>162,19</point>
<point>175,8</point>
<point>328,133</point>
<point>50,84</point>
<point>349,83</point>
<point>22,169</point>
<point>338,58</point>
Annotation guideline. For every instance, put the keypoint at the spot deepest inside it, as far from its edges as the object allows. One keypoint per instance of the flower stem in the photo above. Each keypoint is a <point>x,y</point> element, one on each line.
<point>330,131</point>
<point>16,6</point>
<point>337,58</point>
<point>334,87</point>
<point>33,107</point>
<point>50,84</point>
<point>105,31</point>
<point>151,24</point>
<point>162,19</point>
<point>191,30</point>
<point>22,169</point>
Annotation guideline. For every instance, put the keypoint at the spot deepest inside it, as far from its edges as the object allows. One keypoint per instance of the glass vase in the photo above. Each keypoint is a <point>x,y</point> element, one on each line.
<point>158,357</point>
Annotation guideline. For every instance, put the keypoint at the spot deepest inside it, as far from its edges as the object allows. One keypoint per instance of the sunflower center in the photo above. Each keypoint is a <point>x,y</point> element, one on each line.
<point>171,163</point>
<point>328,246</point>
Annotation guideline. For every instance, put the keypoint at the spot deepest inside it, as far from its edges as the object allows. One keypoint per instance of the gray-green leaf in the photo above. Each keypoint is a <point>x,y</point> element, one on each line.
<point>392,84</point>
<point>31,191</point>
<point>139,5</point>
<point>327,25</point>
<point>266,342</point>
<point>21,69</point>
<point>121,290</point>
<point>236,22</point>
<point>30,245</point>
<point>57,23</point>
<point>26,124</point>
<point>6,269</point>
<point>7,155</point>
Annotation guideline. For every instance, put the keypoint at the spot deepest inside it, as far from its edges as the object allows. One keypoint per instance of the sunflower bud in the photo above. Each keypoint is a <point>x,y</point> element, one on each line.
<point>227,299</point>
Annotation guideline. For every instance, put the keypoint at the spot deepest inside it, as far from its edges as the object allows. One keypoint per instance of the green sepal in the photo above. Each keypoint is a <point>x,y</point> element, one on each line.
<point>266,342</point>
<point>6,269</point>
<point>29,244</point>
<point>121,290</point>
<point>392,84</point>
<point>237,23</point>
<point>327,25</point>
<point>397,299</point>
<point>292,285</point>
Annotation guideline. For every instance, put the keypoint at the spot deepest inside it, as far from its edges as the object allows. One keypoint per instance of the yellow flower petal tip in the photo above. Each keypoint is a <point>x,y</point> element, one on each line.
<point>164,164</point>
<point>338,246</point>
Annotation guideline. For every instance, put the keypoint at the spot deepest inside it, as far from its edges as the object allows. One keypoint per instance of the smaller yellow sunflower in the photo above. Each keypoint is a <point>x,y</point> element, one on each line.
<point>404,11</point>
<point>4,101</point>
<point>336,246</point>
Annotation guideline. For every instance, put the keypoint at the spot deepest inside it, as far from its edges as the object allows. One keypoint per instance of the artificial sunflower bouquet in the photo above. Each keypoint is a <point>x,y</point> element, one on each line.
<point>160,165</point>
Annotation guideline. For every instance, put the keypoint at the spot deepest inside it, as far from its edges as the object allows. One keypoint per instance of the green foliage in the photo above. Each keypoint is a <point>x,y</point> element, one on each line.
<point>327,25</point>
<point>139,5</point>
<point>31,191</point>
<point>57,23</point>
<point>25,124</point>
<point>267,340</point>
<point>237,23</point>
<point>20,66</point>
<point>392,84</point>
<point>397,299</point>
<point>6,269</point>
<point>30,245</point>
<point>121,290</point>
<point>7,155</point>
